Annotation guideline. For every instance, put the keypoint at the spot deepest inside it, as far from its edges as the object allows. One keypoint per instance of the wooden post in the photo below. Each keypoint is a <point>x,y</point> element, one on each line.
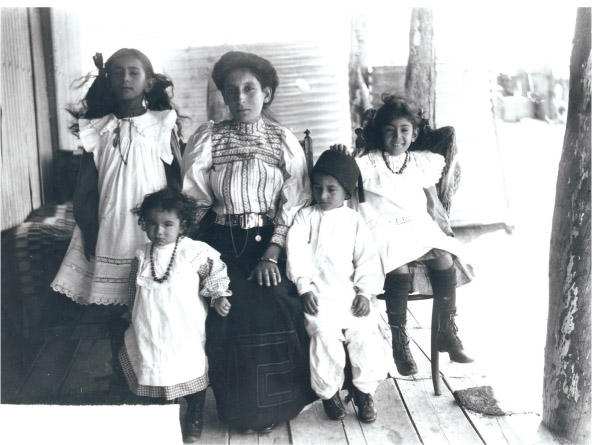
<point>566,386</point>
<point>420,80</point>
<point>359,93</point>
<point>47,144</point>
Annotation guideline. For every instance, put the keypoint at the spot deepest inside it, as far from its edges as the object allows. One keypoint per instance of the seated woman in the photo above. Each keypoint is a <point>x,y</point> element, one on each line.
<point>252,174</point>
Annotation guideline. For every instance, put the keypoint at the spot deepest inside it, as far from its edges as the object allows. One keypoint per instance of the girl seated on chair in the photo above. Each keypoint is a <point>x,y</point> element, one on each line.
<point>395,210</point>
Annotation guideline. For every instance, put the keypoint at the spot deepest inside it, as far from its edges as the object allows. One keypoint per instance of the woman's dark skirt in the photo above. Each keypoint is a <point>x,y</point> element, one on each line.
<point>258,354</point>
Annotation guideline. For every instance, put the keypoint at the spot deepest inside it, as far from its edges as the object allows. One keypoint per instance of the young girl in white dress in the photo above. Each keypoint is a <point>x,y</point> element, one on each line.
<point>163,355</point>
<point>128,129</point>
<point>396,211</point>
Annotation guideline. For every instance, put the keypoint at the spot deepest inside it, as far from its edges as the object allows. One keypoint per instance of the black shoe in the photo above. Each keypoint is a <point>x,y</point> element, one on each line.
<point>365,404</point>
<point>334,407</point>
<point>447,339</point>
<point>193,424</point>
<point>266,429</point>
<point>192,428</point>
<point>401,352</point>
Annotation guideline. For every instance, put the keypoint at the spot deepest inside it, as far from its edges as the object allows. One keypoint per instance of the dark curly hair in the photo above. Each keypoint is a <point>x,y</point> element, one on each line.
<point>100,100</point>
<point>168,200</point>
<point>394,106</point>
<point>261,68</point>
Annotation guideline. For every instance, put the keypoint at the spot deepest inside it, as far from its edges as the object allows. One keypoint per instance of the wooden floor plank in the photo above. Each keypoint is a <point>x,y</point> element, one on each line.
<point>438,419</point>
<point>392,425</point>
<point>90,372</point>
<point>279,435</point>
<point>312,427</point>
<point>509,429</point>
<point>49,370</point>
<point>237,437</point>
<point>351,423</point>
<point>18,357</point>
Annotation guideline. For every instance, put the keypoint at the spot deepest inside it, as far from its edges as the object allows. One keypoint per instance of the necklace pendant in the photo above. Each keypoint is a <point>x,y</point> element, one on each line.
<point>257,238</point>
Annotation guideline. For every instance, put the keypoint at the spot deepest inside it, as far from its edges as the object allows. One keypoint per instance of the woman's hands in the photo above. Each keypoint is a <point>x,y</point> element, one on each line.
<point>222,306</point>
<point>310,304</point>
<point>267,272</point>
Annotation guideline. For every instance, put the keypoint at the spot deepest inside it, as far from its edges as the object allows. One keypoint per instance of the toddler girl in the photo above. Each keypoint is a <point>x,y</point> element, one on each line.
<point>127,128</point>
<point>396,213</point>
<point>171,276</point>
<point>335,265</point>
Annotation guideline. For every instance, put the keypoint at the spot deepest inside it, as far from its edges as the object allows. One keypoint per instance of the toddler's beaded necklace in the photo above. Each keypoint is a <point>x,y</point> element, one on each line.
<point>403,167</point>
<point>168,270</point>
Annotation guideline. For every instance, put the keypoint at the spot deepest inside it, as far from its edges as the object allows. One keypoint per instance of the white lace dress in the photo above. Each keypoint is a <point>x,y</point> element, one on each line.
<point>396,210</point>
<point>127,172</point>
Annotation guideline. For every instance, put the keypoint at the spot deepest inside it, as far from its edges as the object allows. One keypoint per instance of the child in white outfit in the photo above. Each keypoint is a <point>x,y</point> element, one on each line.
<point>336,267</point>
<point>163,354</point>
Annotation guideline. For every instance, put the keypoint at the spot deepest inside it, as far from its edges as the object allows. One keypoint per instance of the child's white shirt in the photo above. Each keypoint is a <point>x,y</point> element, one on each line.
<point>332,254</point>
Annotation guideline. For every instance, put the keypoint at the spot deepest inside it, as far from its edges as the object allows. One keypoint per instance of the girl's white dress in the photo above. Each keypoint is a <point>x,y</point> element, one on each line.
<point>127,172</point>
<point>165,343</point>
<point>396,209</point>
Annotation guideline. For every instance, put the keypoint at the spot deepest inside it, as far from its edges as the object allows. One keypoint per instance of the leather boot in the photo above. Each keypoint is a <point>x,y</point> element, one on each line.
<point>447,339</point>
<point>193,424</point>
<point>334,407</point>
<point>401,352</point>
<point>365,404</point>
<point>396,292</point>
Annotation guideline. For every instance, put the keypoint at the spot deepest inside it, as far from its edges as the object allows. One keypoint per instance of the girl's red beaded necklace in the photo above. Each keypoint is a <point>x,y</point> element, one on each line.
<point>403,167</point>
<point>168,271</point>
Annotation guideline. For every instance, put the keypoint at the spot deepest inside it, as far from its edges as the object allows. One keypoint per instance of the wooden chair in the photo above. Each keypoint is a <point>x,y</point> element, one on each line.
<point>443,142</point>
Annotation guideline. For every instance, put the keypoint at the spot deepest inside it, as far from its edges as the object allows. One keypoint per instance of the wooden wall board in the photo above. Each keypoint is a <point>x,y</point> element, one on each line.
<point>68,70</point>
<point>20,169</point>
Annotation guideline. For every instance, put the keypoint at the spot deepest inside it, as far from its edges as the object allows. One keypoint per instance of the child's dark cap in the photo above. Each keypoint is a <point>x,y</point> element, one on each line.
<point>343,168</point>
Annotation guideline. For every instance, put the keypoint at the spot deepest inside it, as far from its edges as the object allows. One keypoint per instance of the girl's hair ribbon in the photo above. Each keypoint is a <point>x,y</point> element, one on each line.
<point>98,59</point>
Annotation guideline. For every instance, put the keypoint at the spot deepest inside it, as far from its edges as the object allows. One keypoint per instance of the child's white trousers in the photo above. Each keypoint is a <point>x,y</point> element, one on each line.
<point>327,356</point>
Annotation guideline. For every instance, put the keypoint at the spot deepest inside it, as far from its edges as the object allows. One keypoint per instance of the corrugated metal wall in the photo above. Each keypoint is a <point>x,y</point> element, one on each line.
<point>21,188</point>
<point>313,92</point>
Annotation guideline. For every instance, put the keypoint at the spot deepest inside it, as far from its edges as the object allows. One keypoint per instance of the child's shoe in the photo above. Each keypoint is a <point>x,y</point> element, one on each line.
<point>334,407</point>
<point>193,424</point>
<point>401,352</point>
<point>447,339</point>
<point>366,411</point>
